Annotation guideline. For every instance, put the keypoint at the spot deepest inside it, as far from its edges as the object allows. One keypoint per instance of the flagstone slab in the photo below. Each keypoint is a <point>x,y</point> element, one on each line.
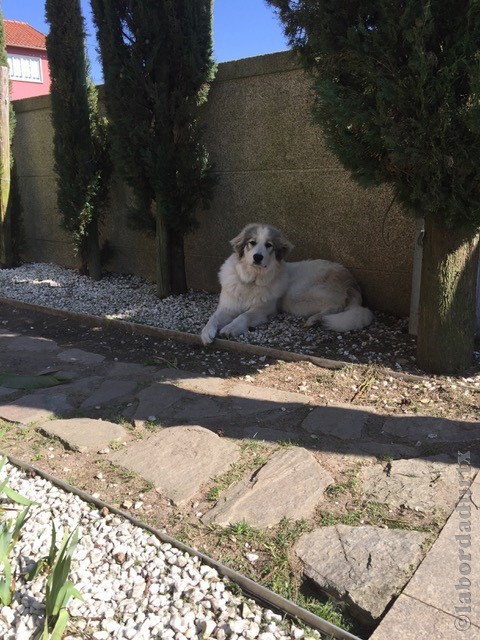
<point>80,388</point>
<point>194,382</point>
<point>194,408</point>
<point>410,619</point>
<point>5,333</point>
<point>130,370</point>
<point>80,356</point>
<point>341,421</point>
<point>31,343</point>
<point>35,407</point>
<point>449,577</point>
<point>109,391</point>
<point>178,460</point>
<point>259,432</point>
<point>362,566</point>
<point>422,484</point>
<point>249,399</point>
<point>4,391</point>
<point>290,485</point>
<point>75,389</point>
<point>84,434</point>
<point>430,430</point>
<point>372,448</point>
<point>154,400</point>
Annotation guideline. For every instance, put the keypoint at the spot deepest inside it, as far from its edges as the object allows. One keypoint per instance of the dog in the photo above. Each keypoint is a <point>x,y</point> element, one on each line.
<point>256,283</point>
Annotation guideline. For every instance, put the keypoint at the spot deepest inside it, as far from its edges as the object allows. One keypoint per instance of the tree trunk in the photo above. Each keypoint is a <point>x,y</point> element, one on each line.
<point>446,326</point>
<point>6,254</point>
<point>93,252</point>
<point>162,257</point>
<point>178,277</point>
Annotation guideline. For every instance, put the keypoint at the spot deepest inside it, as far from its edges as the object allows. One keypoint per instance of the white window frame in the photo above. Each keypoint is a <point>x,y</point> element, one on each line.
<point>24,62</point>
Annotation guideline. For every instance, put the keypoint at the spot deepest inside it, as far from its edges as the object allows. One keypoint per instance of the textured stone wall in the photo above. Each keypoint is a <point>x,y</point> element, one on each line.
<point>272,166</point>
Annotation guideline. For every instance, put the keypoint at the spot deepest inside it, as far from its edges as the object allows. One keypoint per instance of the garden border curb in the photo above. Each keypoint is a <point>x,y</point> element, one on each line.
<point>194,339</point>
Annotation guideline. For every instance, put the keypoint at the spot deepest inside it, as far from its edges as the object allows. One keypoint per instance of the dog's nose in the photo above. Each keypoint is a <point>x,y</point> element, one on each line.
<point>257,258</point>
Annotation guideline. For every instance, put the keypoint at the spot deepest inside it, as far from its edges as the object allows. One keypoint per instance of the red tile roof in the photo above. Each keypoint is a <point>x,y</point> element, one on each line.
<point>21,34</point>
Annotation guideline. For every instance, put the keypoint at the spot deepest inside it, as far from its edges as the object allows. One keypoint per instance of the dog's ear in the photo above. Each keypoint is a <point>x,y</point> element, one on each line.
<point>282,247</point>
<point>238,243</point>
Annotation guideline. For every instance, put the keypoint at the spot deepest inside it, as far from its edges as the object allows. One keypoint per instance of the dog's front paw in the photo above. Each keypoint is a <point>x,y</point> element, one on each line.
<point>208,334</point>
<point>232,330</point>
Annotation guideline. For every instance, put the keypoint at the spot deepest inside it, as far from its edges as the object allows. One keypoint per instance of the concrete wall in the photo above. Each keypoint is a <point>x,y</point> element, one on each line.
<point>272,167</point>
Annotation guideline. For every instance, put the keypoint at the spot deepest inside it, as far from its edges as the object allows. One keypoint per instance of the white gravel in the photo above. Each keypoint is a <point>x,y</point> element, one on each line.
<point>133,585</point>
<point>132,299</point>
<point>385,342</point>
<point>115,296</point>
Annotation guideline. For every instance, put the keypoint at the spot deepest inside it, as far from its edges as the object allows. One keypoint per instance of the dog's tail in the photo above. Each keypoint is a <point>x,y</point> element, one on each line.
<point>352,319</point>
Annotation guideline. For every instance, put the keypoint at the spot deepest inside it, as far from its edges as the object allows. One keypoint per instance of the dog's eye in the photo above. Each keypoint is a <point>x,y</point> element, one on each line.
<point>252,243</point>
<point>268,245</point>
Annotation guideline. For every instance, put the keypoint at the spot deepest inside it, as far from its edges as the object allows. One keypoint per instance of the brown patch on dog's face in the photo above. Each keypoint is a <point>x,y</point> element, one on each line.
<point>246,234</point>
<point>271,239</point>
<point>281,245</point>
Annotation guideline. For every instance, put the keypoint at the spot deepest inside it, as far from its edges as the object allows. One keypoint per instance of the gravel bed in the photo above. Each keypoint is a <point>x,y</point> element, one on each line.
<point>133,585</point>
<point>385,342</point>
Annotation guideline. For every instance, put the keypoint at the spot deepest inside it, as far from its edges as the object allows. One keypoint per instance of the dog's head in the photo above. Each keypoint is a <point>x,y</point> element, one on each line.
<point>258,244</point>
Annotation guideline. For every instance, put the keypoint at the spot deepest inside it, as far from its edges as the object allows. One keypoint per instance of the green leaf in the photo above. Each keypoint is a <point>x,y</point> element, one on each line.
<point>60,625</point>
<point>3,484</point>
<point>6,584</point>
<point>14,381</point>
<point>53,547</point>
<point>59,589</point>
<point>5,593</point>
<point>36,569</point>
<point>16,497</point>
<point>45,634</point>
<point>5,541</point>
<point>19,522</point>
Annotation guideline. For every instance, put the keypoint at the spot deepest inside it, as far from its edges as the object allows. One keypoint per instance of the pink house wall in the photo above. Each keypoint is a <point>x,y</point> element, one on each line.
<point>20,89</point>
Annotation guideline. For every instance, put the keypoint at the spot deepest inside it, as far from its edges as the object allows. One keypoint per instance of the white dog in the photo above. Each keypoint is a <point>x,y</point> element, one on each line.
<point>256,283</point>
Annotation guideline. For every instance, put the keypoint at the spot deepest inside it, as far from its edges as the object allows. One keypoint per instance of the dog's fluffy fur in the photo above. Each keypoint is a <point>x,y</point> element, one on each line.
<point>256,283</point>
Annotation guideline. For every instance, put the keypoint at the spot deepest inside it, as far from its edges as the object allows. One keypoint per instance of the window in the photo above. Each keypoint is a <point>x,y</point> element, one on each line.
<point>25,68</point>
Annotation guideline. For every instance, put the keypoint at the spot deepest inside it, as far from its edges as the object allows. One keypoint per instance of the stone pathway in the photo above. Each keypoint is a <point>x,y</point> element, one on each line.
<point>196,427</point>
<point>290,485</point>
<point>442,600</point>
<point>362,566</point>
<point>178,460</point>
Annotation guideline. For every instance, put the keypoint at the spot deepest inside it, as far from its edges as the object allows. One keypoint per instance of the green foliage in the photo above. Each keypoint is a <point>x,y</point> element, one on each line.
<point>81,156</point>
<point>157,63</point>
<point>47,561</point>
<point>60,590</point>
<point>398,88</point>
<point>14,381</point>
<point>10,216</point>
<point>15,214</point>
<point>10,531</point>
<point>328,610</point>
<point>3,48</point>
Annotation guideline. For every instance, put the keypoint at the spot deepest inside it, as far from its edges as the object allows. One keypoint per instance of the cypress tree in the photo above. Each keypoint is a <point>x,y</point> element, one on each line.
<point>15,215</point>
<point>397,95</point>
<point>7,123</point>
<point>81,159</point>
<point>157,64</point>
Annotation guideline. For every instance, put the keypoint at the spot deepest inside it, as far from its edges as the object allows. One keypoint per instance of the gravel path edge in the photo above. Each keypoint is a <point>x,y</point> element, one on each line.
<point>193,339</point>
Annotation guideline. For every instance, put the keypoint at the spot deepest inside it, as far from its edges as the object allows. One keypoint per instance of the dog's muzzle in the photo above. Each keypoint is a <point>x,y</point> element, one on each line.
<point>257,258</point>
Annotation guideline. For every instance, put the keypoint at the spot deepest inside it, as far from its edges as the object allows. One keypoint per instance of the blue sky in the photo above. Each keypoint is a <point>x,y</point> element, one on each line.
<point>242,28</point>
